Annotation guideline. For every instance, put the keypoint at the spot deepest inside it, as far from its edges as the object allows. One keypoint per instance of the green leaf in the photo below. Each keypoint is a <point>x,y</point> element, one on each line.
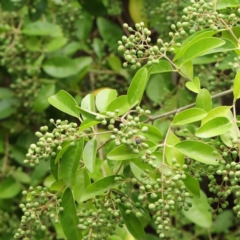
<point>214,127</point>
<point>81,182</point>
<point>68,217</point>
<point>132,223</point>
<point>171,152</point>
<point>60,67</point>
<point>55,44</point>
<point>204,100</point>
<point>192,185</point>
<point>120,103</point>
<point>71,48</point>
<point>152,134</point>
<point>199,151</point>
<point>189,116</point>
<point>233,35</point>
<point>110,32</point>
<point>223,222</point>
<point>104,98</point>
<point>40,28</point>
<point>9,188</point>
<point>200,47</point>
<point>62,151</point>
<point>216,112</point>
<point>99,187</point>
<point>87,123</point>
<point>21,177</point>
<point>192,39</point>
<point>114,62</point>
<point>160,67</point>
<point>70,162</point>
<point>88,104</point>
<point>194,85</point>
<point>137,87</point>
<point>33,44</point>
<point>98,47</point>
<point>222,4</point>
<point>64,102</point>
<point>90,115</point>
<point>187,70</point>
<point>199,213</point>
<point>236,87</point>
<point>5,93</point>
<point>7,107</point>
<point>94,7</point>
<point>89,154</point>
<point>41,100</point>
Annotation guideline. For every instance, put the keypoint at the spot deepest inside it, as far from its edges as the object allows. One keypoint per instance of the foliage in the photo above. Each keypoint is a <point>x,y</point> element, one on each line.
<point>132,159</point>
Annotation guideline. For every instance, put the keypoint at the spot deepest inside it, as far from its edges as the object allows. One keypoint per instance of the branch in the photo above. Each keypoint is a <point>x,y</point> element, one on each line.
<point>153,118</point>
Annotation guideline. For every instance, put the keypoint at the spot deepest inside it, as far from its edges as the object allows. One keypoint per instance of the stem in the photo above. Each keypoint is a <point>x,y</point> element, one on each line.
<point>153,118</point>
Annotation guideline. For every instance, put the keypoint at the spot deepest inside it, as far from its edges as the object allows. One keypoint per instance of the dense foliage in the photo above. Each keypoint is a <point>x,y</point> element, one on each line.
<point>146,142</point>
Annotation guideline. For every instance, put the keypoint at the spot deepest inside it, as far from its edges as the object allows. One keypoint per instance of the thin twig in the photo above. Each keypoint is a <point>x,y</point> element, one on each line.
<point>153,118</point>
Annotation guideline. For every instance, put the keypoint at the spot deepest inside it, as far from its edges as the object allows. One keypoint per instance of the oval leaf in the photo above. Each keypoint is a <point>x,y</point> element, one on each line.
<point>214,127</point>
<point>99,187</point>
<point>65,103</point>
<point>68,217</point>
<point>204,100</point>
<point>60,67</point>
<point>120,103</point>
<point>160,67</point>
<point>192,185</point>
<point>104,98</point>
<point>199,151</point>
<point>89,154</point>
<point>137,87</point>
<point>189,116</point>
<point>236,87</point>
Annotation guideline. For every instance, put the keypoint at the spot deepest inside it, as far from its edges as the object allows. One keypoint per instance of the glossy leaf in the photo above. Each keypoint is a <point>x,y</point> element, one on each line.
<point>87,123</point>
<point>204,100</point>
<point>88,103</point>
<point>104,98</point>
<point>64,102</point>
<point>110,32</point>
<point>81,182</point>
<point>170,152</point>
<point>189,116</point>
<point>199,151</point>
<point>214,127</point>
<point>89,115</point>
<point>160,67</point>
<point>68,217</point>
<point>187,70</point>
<point>192,39</point>
<point>132,223</point>
<point>199,213</point>
<point>200,47</point>
<point>70,161</point>
<point>194,85</point>
<point>120,103</point>
<point>89,154</point>
<point>220,111</point>
<point>60,67</point>
<point>192,185</point>
<point>236,87</point>
<point>99,187</point>
<point>137,87</point>
<point>152,134</point>
<point>41,102</point>
<point>40,28</point>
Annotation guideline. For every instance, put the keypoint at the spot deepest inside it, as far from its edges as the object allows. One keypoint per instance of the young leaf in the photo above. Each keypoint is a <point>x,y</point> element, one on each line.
<point>220,111</point>
<point>70,161</point>
<point>214,127</point>
<point>192,185</point>
<point>192,39</point>
<point>132,223</point>
<point>137,87</point>
<point>120,103</point>
<point>200,47</point>
<point>60,67</point>
<point>89,154</point>
<point>199,213</point>
<point>104,98</point>
<point>187,70</point>
<point>64,102</point>
<point>204,100</point>
<point>194,85</point>
<point>160,67</point>
<point>199,151</point>
<point>189,116</point>
<point>68,217</point>
<point>236,87</point>
<point>99,187</point>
